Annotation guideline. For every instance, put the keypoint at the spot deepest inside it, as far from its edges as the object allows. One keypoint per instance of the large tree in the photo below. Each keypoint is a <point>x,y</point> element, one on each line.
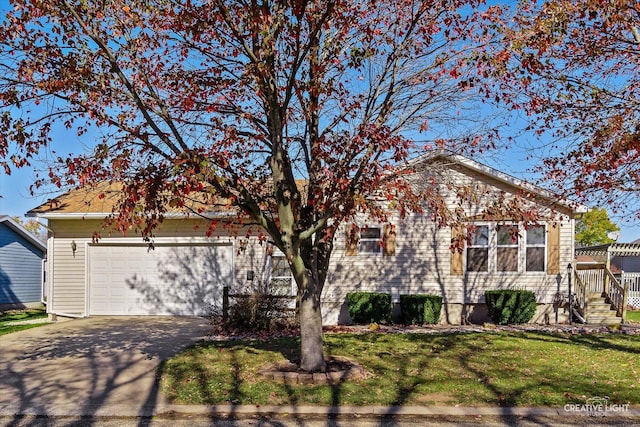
<point>594,228</point>
<point>235,102</point>
<point>573,68</point>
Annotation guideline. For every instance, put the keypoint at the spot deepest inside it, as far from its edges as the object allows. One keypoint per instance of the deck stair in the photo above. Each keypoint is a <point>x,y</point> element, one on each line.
<point>600,312</point>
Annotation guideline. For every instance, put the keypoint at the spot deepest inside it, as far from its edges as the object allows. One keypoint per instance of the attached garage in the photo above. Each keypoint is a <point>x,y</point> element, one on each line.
<point>166,279</point>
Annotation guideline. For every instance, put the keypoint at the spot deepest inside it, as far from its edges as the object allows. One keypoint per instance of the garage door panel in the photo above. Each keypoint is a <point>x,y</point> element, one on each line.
<point>173,280</point>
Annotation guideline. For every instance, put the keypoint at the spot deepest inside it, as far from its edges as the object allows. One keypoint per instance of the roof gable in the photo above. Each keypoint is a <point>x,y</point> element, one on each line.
<point>22,232</point>
<point>518,185</point>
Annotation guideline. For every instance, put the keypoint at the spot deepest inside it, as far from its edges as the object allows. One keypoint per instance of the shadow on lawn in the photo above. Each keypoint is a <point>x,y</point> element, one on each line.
<point>413,379</point>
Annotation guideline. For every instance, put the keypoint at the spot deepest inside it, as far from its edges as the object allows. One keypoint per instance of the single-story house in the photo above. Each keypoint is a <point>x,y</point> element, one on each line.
<point>183,272</point>
<point>21,266</point>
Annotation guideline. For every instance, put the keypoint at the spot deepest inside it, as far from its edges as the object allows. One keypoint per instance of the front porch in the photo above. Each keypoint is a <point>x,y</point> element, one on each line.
<point>598,298</point>
<point>600,295</point>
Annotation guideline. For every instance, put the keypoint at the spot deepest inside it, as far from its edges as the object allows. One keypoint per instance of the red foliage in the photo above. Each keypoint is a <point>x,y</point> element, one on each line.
<point>572,67</point>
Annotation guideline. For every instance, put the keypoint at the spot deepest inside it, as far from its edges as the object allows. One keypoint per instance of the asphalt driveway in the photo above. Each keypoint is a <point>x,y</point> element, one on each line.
<point>90,366</point>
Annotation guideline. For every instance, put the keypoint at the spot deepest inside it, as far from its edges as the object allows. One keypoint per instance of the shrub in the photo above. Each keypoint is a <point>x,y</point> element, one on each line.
<point>258,312</point>
<point>369,307</point>
<point>510,306</point>
<point>420,309</point>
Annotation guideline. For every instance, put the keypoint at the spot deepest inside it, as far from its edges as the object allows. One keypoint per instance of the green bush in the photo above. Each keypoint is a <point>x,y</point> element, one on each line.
<point>420,309</point>
<point>510,306</point>
<point>369,307</point>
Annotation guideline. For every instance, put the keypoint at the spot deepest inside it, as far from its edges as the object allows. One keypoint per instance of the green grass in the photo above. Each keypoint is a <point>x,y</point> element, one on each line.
<point>633,316</point>
<point>17,315</point>
<point>475,369</point>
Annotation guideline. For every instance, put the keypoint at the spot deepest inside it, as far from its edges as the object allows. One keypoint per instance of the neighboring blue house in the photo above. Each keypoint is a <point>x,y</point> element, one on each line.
<point>21,256</point>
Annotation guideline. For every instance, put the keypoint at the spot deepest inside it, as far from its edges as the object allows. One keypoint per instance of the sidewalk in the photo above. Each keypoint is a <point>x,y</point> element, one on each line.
<point>242,411</point>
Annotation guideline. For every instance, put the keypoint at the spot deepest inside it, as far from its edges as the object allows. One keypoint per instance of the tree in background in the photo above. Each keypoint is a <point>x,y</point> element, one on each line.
<point>230,103</point>
<point>32,226</point>
<point>594,228</point>
<point>573,68</point>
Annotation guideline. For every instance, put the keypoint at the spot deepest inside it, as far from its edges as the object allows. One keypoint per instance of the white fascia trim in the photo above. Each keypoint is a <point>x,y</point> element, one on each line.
<point>138,241</point>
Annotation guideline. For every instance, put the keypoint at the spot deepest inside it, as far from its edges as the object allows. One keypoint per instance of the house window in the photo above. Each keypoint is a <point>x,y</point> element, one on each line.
<point>507,248</point>
<point>280,278</point>
<point>478,248</point>
<point>370,240</point>
<point>498,248</point>
<point>536,248</point>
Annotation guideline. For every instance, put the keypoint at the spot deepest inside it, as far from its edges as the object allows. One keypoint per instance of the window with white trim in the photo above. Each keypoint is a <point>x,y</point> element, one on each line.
<point>507,243</point>
<point>370,241</point>
<point>478,248</point>
<point>280,277</point>
<point>536,248</point>
<point>493,247</point>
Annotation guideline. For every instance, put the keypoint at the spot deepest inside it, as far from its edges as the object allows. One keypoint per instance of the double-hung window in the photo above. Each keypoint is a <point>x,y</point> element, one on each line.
<point>280,278</point>
<point>478,248</point>
<point>370,240</point>
<point>507,247</point>
<point>536,248</point>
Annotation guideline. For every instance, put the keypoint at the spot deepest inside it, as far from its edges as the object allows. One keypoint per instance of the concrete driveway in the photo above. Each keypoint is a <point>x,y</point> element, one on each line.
<point>90,366</point>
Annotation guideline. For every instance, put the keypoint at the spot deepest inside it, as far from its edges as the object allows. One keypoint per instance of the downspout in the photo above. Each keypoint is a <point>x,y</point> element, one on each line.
<point>577,314</point>
<point>48,275</point>
<point>45,276</point>
<point>43,280</point>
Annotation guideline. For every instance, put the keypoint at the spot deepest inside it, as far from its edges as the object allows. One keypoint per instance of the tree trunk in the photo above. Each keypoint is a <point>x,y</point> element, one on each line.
<point>311,352</point>
<point>310,270</point>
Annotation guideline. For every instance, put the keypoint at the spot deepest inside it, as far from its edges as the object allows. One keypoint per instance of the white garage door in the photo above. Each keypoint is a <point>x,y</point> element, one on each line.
<point>165,280</point>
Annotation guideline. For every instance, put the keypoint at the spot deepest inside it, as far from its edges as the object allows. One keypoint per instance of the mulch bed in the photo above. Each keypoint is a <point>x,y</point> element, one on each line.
<point>218,334</point>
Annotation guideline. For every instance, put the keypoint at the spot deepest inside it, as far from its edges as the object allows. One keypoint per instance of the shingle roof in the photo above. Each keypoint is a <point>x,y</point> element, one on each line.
<point>102,199</point>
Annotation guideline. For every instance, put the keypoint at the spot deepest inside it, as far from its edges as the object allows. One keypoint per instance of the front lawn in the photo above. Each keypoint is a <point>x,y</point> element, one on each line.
<point>633,316</point>
<point>9,317</point>
<point>473,369</point>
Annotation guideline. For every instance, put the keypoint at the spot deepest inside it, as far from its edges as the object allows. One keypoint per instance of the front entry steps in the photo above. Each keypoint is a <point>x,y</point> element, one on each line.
<point>599,311</point>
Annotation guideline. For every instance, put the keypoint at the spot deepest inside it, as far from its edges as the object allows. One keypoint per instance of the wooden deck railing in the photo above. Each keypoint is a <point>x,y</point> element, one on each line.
<point>593,278</point>
<point>598,279</point>
<point>617,294</point>
<point>581,295</point>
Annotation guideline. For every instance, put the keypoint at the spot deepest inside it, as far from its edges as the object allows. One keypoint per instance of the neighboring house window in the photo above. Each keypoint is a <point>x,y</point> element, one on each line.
<point>507,248</point>
<point>478,248</point>
<point>280,278</point>
<point>536,248</point>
